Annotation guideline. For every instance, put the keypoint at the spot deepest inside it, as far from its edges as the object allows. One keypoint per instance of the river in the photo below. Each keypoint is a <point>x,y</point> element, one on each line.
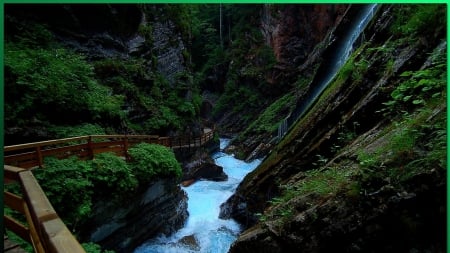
<point>204,231</point>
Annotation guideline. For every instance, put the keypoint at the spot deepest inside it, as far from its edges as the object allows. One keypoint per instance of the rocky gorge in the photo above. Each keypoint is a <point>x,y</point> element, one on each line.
<point>360,169</point>
<point>364,205</point>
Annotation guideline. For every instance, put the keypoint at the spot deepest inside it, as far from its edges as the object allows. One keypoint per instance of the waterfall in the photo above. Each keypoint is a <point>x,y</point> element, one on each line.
<point>342,50</point>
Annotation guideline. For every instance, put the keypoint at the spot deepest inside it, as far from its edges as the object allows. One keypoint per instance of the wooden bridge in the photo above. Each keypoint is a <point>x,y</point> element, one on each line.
<point>43,228</point>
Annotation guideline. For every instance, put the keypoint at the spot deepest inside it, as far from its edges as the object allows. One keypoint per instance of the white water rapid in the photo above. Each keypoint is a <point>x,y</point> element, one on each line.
<point>204,231</point>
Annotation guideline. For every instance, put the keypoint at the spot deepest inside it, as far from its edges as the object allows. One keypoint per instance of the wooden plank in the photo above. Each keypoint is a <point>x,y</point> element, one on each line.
<point>17,158</point>
<point>39,208</point>
<point>38,204</point>
<point>27,164</point>
<point>59,238</point>
<point>108,149</point>
<point>28,155</point>
<point>106,144</point>
<point>71,148</point>
<point>11,172</point>
<point>43,143</point>
<point>14,201</point>
<point>17,228</point>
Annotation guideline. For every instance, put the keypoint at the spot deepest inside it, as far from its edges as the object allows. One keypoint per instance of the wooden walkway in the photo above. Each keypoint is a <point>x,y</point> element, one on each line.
<point>44,229</point>
<point>11,247</point>
<point>31,155</point>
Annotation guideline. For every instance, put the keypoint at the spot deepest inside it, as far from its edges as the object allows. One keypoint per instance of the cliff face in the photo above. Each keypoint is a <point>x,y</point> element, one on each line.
<point>98,31</point>
<point>348,177</point>
<point>293,31</point>
<point>134,51</point>
<point>160,209</point>
<point>280,55</point>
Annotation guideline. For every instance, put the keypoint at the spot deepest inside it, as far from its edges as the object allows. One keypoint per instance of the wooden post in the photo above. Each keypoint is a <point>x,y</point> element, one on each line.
<point>90,148</point>
<point>39,156</point>
<point>125,147</point>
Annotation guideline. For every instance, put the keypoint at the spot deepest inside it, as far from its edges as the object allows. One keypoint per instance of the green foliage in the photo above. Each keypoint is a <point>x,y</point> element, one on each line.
<point>360,69</point>
<point>181,14</point>
<point>147,32</point>
<point>94,248</point>
<point>113,175</point>
<point>70,183</point>
<point>413,145</point>
<point>413,20</point>
<point>29,34</point>
<point>344,136</point>
<point>268,121</point>
<point>22,243</point>
<point>420,87</point>
<point>324,182</point>
<point>151,160</point>
<point>74,131</point>
<point>40,79</point>
<point>67,185</point>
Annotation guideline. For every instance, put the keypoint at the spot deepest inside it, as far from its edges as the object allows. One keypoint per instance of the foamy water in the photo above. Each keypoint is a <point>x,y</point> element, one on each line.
<point>205,197</point>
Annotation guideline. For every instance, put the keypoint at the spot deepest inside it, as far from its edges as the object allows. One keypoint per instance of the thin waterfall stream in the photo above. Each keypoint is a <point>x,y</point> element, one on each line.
<point>341,51</point>
<point>204,231</point>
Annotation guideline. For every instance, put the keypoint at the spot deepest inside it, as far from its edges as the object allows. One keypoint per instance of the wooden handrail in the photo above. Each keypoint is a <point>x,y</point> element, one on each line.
<point>45,230</point>
<point>32,155</point>
<point>43,143</point>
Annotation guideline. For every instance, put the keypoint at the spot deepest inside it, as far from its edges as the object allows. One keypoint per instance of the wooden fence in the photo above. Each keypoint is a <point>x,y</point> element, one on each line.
<point>45,230</point>
<point>32,155</point>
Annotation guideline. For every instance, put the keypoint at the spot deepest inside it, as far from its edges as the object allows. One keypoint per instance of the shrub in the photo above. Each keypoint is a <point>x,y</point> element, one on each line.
<point>56,78</point>
<point>79,130</point>
<point>112,175</point>
<point>150,160</point>
<point>67,185</point>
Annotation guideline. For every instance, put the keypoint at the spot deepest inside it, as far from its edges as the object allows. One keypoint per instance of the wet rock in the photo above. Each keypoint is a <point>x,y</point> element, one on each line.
<point>191,242</point>
<point>205,170</point>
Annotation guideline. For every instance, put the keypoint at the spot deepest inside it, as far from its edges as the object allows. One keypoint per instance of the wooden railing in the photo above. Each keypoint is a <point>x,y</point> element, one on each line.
<point>32,155</point>
<point>45,230</point>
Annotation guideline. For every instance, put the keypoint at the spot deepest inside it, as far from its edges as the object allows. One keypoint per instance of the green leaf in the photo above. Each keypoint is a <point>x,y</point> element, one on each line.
<point>406,98</point>
<point>406,73</point>
<point>418,101</point>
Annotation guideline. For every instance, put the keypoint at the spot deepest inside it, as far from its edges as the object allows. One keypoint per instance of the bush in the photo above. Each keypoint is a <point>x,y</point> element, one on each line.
<point>150,160</point>
<point>79,130</point>
<point>58,79</point>
<point>112,175</point>
<point>70,183</point>
<point>67,185</point>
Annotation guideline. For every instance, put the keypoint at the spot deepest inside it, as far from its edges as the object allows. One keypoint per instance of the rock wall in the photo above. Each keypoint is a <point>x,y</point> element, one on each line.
<point>159,209</point>
<point>377,221</point>
<point>168,48</point>
<point>293,31</point>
